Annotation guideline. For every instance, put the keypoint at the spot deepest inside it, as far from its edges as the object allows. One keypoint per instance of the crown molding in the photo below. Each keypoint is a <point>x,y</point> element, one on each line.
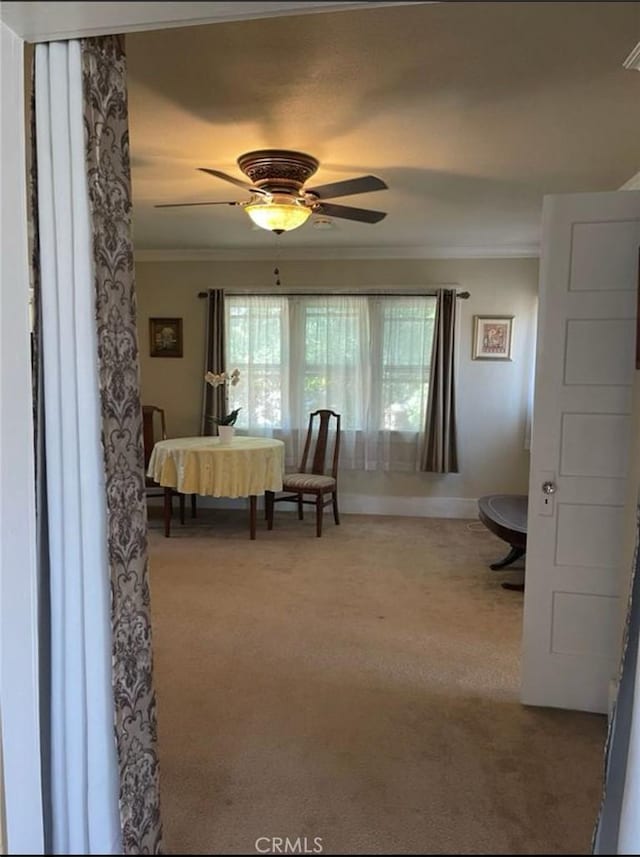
<point>633,60</point>
<point>303,254</point>
<point>51,21</point>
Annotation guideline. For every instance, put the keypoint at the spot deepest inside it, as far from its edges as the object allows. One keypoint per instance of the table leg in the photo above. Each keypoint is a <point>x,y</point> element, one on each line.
<point>167,511</point>
<point>252,516</point>
<point>512,556</point>
<point>269,497</point>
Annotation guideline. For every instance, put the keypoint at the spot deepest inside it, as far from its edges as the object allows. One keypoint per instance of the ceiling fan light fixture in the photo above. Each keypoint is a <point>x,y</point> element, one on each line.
<point>278,213</point>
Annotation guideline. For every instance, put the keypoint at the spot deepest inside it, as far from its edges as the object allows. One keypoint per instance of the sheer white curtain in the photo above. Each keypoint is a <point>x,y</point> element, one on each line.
<point>402,336</point>
<point>367,358</point>
<point>257,336</point>
<point>329,361</point>
<point>84,774</point>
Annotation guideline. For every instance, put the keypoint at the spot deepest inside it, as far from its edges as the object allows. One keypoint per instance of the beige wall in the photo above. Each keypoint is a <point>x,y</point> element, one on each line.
<point>492,396</point>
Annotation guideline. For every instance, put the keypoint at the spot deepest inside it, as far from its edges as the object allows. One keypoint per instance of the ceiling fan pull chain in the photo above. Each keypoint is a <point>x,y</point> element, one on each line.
<point>276,268</point>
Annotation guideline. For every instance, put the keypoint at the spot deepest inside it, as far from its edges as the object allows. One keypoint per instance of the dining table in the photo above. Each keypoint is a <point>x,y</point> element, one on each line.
<point>243,467</point>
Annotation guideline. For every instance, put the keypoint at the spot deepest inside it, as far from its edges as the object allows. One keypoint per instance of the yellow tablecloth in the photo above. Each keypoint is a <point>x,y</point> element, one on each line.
<point>203,465</point>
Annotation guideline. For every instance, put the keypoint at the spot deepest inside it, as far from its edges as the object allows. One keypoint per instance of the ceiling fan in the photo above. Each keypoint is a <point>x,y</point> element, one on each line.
<point>279,201</point>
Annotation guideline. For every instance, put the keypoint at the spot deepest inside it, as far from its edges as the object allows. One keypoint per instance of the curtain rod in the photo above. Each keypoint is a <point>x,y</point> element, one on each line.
<point>462,295</point>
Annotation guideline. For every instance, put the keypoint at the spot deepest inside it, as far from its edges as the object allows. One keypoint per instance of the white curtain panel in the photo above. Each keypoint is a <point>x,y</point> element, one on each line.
<point>366,358</point>
<point>257,337</point>
<point>329,361</point>
<point>85,781</point>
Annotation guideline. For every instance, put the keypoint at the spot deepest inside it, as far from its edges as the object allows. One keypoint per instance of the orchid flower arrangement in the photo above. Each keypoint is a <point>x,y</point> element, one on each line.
<point>227,379</point>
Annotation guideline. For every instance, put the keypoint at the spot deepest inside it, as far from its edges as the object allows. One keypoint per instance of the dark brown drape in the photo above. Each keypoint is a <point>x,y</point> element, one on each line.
<point>440,453</point>
<point>213,398</point>
<point>109,185</point>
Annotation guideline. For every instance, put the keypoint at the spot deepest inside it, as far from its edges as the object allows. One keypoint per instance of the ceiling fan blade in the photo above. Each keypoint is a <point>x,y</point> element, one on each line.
<point>364,215</point>
<point>188,204</point>
<point>365,184</point>
<point>238,182</point>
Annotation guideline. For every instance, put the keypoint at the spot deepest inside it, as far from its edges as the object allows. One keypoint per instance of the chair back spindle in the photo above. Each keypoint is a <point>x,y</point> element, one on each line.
<point>321,444</point>
<point>149,429</point>
<point>322,436</point>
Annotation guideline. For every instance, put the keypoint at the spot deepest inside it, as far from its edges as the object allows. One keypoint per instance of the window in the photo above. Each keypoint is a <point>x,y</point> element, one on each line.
<point>368,358</point>
<point>257,344</point>
<point>333,334</point>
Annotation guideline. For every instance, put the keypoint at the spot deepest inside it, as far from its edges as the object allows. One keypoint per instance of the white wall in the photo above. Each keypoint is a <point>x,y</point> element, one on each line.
<point>18,591</point>
<point>492,396</point>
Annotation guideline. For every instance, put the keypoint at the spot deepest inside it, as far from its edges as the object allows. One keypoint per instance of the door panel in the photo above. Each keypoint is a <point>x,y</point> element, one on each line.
<point>578,628</point>
<point>581,444</point>
<point>603,256</point>
<point>594,445</point>
<point>600,351</point>
<point>585,533</point>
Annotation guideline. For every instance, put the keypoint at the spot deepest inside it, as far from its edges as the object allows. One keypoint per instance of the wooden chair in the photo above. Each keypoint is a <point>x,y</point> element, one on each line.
<point>314,481</point>
<point>152,419</point>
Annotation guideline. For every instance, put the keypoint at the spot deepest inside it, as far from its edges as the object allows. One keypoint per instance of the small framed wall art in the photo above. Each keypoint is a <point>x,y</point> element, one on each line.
<point>165,337</point>
<point>492,337</point>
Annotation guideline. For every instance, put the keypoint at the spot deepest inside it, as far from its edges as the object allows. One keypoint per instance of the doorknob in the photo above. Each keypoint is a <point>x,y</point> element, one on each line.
<point>549,487</point>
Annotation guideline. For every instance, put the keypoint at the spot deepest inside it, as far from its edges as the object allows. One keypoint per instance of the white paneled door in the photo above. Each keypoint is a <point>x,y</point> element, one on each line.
<point>580,448</point>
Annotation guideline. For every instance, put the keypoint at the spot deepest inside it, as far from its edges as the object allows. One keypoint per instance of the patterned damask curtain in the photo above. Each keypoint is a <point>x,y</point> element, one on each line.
<point>109,184</point>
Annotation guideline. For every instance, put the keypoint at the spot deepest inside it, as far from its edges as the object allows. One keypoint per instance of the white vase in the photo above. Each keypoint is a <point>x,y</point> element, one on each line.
<point>226,433</point>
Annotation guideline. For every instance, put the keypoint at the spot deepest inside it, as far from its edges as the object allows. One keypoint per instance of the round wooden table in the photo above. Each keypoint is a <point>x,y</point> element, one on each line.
<point>506,516</point>
<point>245,467</point>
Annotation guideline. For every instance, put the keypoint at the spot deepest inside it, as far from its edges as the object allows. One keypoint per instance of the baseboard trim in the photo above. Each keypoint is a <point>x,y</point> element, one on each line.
<point>370,504</point>
<point>409,507</point>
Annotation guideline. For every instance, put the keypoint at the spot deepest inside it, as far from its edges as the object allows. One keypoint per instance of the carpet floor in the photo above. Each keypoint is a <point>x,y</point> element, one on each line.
<point>361,688</point>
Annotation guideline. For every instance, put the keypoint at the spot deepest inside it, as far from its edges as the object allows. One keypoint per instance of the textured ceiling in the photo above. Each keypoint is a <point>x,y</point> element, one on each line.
<point>469,111</point>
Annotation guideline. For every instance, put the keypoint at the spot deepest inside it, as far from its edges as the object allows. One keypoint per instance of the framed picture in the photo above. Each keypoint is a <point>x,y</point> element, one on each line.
<point>492,337</point>
<point>165,337</point>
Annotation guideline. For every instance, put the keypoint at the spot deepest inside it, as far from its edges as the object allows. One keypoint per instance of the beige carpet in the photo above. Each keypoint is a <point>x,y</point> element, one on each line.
<point>361,688</point>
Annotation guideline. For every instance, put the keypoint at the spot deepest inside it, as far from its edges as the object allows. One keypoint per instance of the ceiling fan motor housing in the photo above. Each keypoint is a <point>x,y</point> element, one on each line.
<point>279,201</point>
<point>278,170</point>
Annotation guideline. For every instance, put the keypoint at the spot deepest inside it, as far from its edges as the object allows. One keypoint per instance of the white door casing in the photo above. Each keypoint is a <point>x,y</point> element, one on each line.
<point>19,674</point>
<point>581,446</point>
